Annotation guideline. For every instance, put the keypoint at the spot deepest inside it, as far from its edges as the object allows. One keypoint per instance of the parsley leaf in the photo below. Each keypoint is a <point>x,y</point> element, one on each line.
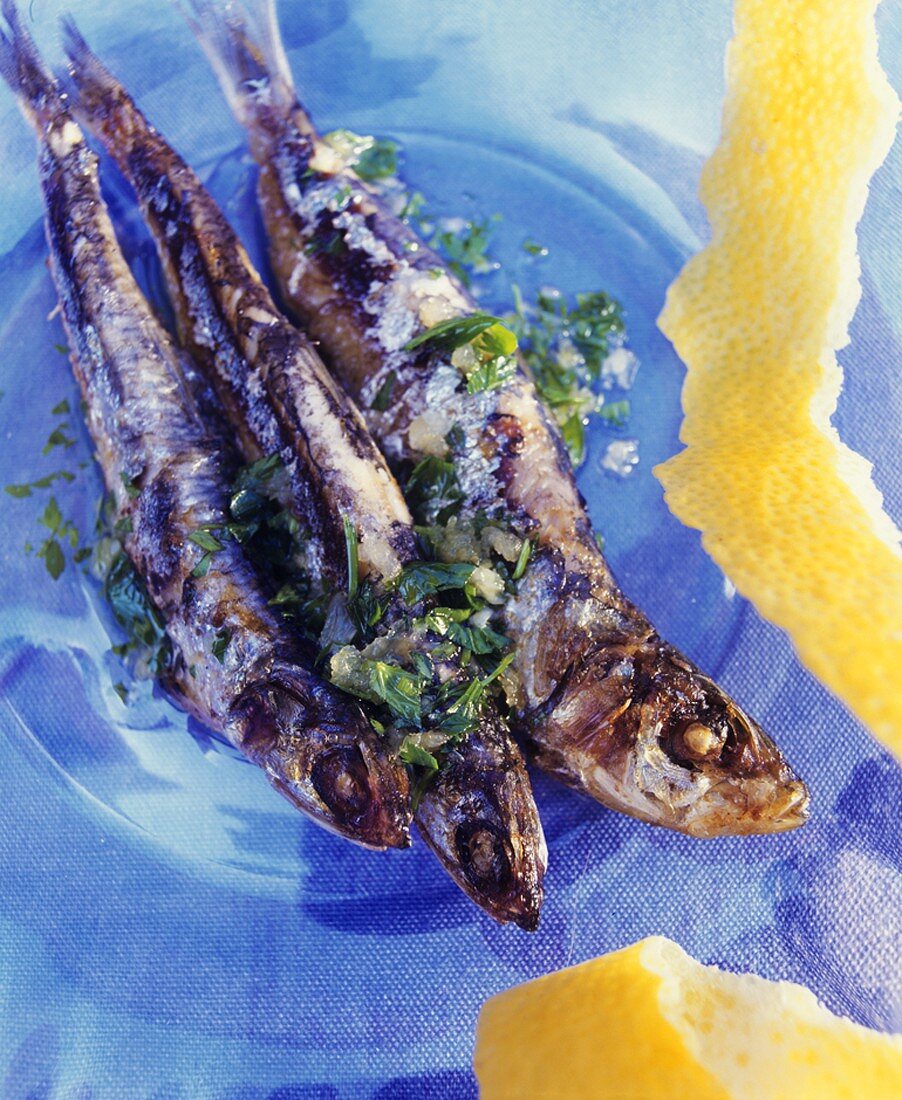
<point>412,753</point>
<point>353,565</point>
<point>425,578</point>
<point>53,556</point>
<point>455,332</point>
<point>383,395</point>
<point>57,438</point>
<point>379,161</point>
<point>432,490</point>
<point>205,539</point>
<point>380,682</point>
<point>220,644</point>
<point>491,374</point>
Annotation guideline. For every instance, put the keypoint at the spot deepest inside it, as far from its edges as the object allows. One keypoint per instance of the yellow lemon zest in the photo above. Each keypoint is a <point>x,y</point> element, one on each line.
<point>650,1022</point>
<point>785,508</point>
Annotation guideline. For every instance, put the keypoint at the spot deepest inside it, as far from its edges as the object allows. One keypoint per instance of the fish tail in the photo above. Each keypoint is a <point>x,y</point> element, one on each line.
<point>97,97</point>
<point>38,94</point>
<point>242,42</point>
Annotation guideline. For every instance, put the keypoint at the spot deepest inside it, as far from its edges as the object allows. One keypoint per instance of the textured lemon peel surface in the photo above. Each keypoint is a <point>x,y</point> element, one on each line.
<point>652,1023</point>
<point>788,511</point>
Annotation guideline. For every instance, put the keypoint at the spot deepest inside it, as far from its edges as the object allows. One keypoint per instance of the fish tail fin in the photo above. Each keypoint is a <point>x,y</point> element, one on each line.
<point>242,42</point>
<point>98,98</point>
<point>37,92</point>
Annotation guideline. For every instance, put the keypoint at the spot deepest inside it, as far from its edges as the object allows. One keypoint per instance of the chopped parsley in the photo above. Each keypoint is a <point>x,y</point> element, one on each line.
<point>220,644</point>
<point>383,394</point>
<point>131,487</point>
<point>26,489</point>
<point>412,753</point>
<point>147,641</point>
<point>352,565</point>
<point>432,491</point>
<point>489,346</point>
<point>533,248</point>
<point>454,333</point>
<point>522,560</point>
<point>615,412</point>
<point>465,245</point>
<point>564,348</point>
<point>371,158</point>
<point>426,578</point>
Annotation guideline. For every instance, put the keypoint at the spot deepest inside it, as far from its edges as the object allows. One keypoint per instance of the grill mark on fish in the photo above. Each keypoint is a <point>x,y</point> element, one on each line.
<point>274,385</point>
<point>147,432</point>
<point>614,736</point>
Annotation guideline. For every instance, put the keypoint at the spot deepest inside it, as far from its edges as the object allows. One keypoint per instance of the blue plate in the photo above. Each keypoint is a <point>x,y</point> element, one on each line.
<point>168,926</point>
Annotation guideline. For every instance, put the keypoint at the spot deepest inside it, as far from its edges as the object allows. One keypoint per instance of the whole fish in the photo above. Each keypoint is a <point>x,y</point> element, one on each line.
<point>256,686</point>
<point>478,815</point>
<point>606,704</point>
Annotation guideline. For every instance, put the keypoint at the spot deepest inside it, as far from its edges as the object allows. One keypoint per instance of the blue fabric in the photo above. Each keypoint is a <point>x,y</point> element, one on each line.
<point>168,927</point>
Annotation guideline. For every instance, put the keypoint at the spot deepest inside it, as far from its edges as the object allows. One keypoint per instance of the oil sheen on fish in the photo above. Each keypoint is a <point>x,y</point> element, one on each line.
<point>478,814</point>
<point>257,688</point>
<point>606,704</point>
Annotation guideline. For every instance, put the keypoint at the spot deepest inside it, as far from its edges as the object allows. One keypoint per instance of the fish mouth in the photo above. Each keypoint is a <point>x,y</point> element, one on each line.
<point>320,752</point>
<point>750,806</point>
<point>718,772</point>
<point>480,819</point>
<point>642,730</point>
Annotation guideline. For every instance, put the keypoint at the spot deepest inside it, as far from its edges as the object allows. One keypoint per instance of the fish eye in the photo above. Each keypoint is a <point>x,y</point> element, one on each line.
<point>339,777</point>
<point>483,855</point>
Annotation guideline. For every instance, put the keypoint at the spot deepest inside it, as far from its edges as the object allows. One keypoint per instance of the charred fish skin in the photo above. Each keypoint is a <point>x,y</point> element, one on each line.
<point>166,478</point>
<point>609,707</point>
<point>279,395</point>
<point>487,834</point>
<point>270,380</point>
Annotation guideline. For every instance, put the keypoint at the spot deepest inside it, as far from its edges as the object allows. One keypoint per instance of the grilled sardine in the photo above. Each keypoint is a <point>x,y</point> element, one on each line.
<point>478,814</point>
<point>166,478</point>
<point>606,704</point>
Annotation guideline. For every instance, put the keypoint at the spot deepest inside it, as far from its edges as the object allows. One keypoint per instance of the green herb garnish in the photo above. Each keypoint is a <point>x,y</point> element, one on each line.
<point>220,644</point>
<point>466,247</point>
<point>522,560</point>
<point>379,161</point>
<point>454,333</point>
<point>353,565</point>
<point>25,489</point>
<point>615,412</point>
<point>57,438</point>
<point>380,682</point>
<point>383,395</point>
<point>137,616</point>
<point>412,753</point>
<point>131,487</point>
<point>432,490</point>
<point>533,248</point>
<point>564,348</point>
<point>426,578</point>
<point>205,539</point>
<point>372,158</point>
<point>493,346</point>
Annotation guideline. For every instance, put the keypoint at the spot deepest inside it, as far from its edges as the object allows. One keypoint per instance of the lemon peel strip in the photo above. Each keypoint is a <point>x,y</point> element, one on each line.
<point>785,508</point>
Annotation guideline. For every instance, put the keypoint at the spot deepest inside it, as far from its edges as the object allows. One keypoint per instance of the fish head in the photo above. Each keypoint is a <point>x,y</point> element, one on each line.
<point>320,751</point>
<point>644,731</point>
<point>480,819</point>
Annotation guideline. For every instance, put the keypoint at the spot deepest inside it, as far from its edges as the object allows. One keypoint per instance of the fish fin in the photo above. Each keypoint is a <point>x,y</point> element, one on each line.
<point>242,42</point>
<point>38,93</point>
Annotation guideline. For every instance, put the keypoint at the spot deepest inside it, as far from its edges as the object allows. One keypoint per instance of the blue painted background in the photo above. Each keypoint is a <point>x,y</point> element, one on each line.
<point>170,928</point>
